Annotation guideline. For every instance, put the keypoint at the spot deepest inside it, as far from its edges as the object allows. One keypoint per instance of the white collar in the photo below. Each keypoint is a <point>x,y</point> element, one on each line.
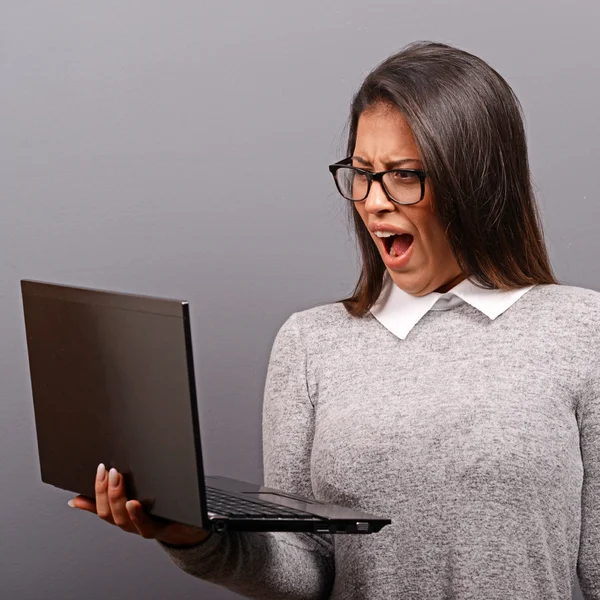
<point>400,311</point>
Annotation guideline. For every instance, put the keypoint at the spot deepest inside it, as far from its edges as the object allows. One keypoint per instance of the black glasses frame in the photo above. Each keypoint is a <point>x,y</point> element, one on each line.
<point>371,177</point>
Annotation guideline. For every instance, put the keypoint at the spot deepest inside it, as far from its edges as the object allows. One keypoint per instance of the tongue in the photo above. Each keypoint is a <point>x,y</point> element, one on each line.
<point>402,243</point>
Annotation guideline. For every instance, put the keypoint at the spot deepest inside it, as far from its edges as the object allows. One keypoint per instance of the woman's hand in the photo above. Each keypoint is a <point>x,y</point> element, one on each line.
<point>112,506</point>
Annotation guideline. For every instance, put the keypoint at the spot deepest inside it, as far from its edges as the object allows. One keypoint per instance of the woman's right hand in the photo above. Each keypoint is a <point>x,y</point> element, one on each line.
<point>112,506</point>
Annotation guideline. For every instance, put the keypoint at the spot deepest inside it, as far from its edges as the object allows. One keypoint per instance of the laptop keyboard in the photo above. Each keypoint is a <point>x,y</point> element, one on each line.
<point>228,505</point>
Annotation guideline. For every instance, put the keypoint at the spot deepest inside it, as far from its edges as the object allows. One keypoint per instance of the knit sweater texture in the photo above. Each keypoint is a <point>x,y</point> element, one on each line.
<point>478,438</point>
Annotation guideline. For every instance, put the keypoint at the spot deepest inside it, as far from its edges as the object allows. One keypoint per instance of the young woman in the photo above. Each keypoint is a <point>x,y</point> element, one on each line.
<point>457,391</point>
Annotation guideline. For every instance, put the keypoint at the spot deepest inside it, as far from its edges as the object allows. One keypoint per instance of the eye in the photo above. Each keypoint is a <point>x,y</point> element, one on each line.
<point>404,176</point>
<point>360,176</point>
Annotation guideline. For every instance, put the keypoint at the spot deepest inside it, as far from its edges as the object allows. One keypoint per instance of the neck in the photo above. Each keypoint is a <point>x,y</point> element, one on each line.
<point>450,284</point>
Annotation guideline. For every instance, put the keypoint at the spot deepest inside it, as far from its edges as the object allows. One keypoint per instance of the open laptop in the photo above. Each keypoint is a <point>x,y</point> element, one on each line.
<point>112,378</point>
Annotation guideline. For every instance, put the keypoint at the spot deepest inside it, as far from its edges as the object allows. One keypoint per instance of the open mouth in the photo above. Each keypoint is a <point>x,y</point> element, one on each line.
<point>397,245</point>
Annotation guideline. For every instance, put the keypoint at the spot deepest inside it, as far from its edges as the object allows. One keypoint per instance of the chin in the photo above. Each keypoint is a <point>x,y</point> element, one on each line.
<point>408,282</point>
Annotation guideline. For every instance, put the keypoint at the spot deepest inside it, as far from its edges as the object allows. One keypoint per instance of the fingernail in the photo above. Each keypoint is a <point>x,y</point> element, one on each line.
<point>71,503</point>
<point>130,506</point>
<point>113,477</point>
<point>101,472</point>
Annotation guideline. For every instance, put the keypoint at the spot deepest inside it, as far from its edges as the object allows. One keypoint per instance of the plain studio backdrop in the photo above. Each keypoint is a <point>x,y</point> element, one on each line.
<point>180,148</point>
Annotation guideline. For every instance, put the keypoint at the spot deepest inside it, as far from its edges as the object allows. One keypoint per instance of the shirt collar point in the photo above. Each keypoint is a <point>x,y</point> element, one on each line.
<point>400,311</point>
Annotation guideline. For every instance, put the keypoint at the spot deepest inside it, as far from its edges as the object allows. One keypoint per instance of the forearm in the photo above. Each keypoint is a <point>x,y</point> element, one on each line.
<point>262,565</point>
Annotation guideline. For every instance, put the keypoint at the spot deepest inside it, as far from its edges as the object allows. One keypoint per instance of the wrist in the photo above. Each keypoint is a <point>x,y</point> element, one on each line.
<point>184,541</point>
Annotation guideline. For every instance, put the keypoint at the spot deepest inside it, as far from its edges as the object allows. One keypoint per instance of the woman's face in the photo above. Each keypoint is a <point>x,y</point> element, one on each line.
<point>383,141</point>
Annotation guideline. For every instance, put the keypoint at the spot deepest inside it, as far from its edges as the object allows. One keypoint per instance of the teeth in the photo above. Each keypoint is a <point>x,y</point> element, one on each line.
<point>384,234</point>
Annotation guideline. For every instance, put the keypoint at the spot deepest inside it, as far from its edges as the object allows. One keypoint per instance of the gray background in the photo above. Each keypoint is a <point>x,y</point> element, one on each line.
<point>180,148</point>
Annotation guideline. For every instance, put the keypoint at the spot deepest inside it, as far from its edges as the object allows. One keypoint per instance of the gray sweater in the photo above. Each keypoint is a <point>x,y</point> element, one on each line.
<point>480,439</point>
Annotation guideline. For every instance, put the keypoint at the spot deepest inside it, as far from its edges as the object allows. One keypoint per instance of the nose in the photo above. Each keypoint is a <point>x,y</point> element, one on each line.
<point>377,201</point>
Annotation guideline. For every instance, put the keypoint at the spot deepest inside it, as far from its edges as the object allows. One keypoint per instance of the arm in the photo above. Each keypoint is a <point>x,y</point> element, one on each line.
<point>274,565</point>
<point>588,419</point>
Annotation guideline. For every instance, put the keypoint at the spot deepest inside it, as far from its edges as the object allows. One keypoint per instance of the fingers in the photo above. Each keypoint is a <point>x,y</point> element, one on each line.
<point>101,489</point>
<point>117,500</point>
<point>83,503</point>
<point>111,499</point>
<point>112,506</point>
<point>144,525</point>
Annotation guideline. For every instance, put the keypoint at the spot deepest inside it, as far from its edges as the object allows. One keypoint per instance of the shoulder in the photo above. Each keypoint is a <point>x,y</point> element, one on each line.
<point>563,312</point>
<point>577,301</point>
<point>328,322</point>
<point>325,316</point>
<point>555,292</point>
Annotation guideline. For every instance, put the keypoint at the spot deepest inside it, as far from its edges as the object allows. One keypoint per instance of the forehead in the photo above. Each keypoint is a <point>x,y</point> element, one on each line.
<point>383,133</point>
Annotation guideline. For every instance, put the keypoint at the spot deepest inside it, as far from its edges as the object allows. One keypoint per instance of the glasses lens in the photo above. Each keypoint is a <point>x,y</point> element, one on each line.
<point>352,184</point>
<point>403,186</point>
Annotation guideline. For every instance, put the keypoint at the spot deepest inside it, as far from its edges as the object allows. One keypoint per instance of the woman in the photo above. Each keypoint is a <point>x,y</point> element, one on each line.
<point>457,391</point>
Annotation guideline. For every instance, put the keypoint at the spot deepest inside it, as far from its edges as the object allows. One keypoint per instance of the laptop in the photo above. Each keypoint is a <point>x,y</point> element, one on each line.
<point>112,379</point>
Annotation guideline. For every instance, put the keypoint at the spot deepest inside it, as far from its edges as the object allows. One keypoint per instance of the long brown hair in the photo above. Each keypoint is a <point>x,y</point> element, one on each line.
<point>468,125</point>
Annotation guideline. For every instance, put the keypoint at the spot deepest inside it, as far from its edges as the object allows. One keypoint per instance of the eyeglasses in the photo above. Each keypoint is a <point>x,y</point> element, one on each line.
<point>402,186</point>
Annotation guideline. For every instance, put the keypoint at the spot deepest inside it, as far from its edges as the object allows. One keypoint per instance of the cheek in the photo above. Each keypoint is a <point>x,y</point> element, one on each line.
<point>431,234</point>
<point>437,246</point>
<point>359,207</point>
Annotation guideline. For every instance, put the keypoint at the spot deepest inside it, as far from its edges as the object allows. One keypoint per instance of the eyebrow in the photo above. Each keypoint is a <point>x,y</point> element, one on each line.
<point>390,165</point>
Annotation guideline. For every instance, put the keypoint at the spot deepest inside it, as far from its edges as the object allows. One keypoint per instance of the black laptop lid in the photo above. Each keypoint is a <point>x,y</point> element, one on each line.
<point>112,382</point>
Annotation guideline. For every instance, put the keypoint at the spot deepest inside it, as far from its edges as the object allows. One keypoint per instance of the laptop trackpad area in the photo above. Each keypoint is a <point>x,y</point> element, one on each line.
<point>281,499</point>
<point>276,497</point>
